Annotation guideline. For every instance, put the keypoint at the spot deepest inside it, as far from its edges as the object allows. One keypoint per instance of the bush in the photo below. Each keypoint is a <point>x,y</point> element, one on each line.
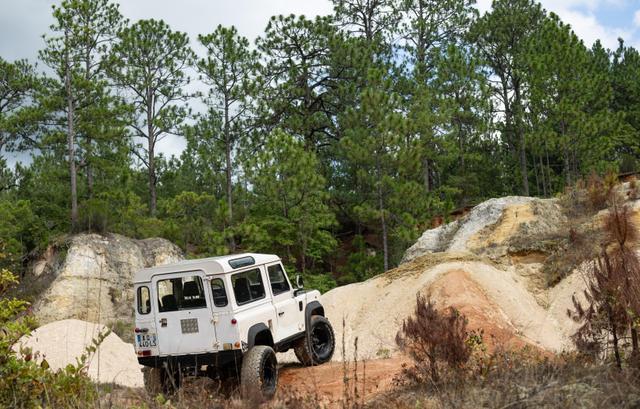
<point>24,383</point>
<point>432,339</point>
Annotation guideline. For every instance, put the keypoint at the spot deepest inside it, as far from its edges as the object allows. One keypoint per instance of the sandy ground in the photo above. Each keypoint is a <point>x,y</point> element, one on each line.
<point>62,342</point>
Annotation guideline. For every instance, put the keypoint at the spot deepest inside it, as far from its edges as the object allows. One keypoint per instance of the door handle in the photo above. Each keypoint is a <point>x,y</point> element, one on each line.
<point>280,314</point>
<point>163,322</point>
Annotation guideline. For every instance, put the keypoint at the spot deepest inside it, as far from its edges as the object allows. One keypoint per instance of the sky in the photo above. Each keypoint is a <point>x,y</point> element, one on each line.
<point>22,22</point>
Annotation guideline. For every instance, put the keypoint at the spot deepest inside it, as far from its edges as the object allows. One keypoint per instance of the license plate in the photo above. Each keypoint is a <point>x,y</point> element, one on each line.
<point>146,340</point>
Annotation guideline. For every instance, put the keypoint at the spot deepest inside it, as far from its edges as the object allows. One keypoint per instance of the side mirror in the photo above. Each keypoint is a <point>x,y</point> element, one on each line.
<point>299,281</point>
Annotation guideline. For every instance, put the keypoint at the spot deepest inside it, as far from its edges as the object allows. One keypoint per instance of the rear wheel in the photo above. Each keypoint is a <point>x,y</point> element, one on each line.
<point>317,347</point>
<point>152,380</point>
<point>159,380</point>
<point>259,375</point>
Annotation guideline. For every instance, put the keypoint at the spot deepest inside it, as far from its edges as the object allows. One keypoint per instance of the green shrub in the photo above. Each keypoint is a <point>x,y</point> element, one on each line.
<point>25,383</point>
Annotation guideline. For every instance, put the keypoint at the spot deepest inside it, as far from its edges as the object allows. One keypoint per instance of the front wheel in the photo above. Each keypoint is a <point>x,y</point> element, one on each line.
<point>259,374</point>
<point>322,342</point>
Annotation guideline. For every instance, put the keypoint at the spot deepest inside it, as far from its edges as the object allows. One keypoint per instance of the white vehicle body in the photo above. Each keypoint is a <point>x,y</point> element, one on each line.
<point>211,311</point>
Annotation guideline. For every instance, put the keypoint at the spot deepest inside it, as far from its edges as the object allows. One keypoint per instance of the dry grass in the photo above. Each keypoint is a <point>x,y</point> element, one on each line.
<point>525,379</point>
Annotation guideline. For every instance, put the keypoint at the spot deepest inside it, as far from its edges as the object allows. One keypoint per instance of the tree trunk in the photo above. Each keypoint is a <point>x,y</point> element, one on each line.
<point>87,159</point>
<point>426,175</point>
<point>71,146</point>
<point>634,347</point>
<point>151,138</point>
<point>544,178</point>
<point>228,170</point>
<point>522,143</point>
<point>614,332</point>
<point>89,170</point>
<point>383,222</point>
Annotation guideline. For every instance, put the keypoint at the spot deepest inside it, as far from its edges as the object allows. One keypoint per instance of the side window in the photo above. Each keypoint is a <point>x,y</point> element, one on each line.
<point>183,293</point>
<point>278,279</point>
<point>144,300</point>
<point>247,286</point>
<point>219,294</point>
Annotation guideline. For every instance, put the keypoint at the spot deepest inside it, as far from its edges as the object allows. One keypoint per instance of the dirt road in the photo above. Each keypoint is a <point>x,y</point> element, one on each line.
<point>332,383</point>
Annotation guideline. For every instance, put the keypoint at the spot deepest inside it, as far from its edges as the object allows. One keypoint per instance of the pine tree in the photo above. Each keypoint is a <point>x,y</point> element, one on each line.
<point>290,215</point>
<point>148,63</point>
<point>501,38</point>
<point>372,19</point>
<point>18,86</point>
<point>373,134</point>
<point>298,93</point>
<point>428,28</point>
<point>228,69</point>
<point>625,71</point>
<point>570,97</point>
<point>86,30</point>
<point>462,110</point>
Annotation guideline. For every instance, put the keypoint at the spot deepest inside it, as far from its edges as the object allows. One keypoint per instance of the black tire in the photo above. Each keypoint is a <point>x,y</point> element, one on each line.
<point>157,381</point>
<point>259,374</point>
<point>152,380</point>
<point>323,343</point>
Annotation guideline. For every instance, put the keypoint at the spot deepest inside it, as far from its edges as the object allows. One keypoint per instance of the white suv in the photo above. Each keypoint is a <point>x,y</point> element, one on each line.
<point>225,317</point>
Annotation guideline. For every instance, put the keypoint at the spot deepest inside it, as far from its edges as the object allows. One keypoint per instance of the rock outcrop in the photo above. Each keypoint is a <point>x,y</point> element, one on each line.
<point>487,264</point>
<point>495,223</point>
<point>90,276</point>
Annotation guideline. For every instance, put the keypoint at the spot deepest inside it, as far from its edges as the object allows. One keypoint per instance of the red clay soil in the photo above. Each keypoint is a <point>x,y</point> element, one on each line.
<point>458,290</point>
<point>326,383</point>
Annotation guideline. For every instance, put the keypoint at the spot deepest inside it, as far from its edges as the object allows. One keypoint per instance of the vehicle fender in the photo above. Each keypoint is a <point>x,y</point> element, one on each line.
<point>313,308</point>
<point>254,331</point>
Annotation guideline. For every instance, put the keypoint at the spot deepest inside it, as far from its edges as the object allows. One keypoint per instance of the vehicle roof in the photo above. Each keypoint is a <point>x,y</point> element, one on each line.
<point>210,265</point>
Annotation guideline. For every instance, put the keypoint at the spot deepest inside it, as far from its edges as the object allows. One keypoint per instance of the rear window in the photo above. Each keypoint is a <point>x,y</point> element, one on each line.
<point>182,293</point>
<point>144,300</point>
<point>218,292</point>
<point>247,286</point>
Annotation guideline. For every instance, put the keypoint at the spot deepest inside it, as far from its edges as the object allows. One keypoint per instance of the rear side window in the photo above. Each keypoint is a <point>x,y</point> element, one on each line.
<point>247,286</point>
<point>144,300</point>
<point>218,292</point>
<point>182,293</point>
<point>277,279</point>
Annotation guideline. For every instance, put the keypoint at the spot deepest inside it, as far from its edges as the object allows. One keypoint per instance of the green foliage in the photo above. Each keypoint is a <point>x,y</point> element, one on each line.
<point>290,215</point>
<point>320,282</point>
<point>20,230</point>
<point>25,383</point>
<point>362,263</point>
<point>196,222</point>
<point>148,62</point>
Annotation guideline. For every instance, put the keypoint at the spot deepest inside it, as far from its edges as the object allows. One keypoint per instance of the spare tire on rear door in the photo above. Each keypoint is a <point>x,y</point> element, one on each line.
<point>259,375</point>
<point>319,343</point>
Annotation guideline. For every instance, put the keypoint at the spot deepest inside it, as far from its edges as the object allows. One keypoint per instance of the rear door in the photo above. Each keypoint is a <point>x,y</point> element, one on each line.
<point>289,314</point>
<point>184,320</point>
<point>225,331</point>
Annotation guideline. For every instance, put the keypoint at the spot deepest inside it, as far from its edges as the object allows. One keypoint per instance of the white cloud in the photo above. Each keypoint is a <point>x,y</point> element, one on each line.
<point>202,16</point>
<point>588,28</point>
<point>636,18</point>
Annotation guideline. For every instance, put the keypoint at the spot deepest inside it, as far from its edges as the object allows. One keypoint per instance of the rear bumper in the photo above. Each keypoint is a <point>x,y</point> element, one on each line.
<point>218,359</point>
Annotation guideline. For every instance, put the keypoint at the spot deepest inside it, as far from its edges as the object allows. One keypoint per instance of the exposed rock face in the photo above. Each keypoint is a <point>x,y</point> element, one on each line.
<point>487,264</point>
<point>456,235</point>
<point>94,281</point>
